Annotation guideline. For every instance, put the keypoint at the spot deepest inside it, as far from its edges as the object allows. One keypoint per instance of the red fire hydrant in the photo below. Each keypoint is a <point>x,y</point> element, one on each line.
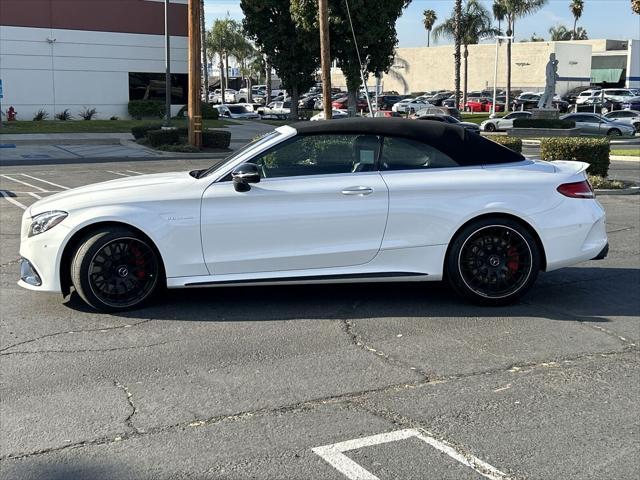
<point>11,114</point>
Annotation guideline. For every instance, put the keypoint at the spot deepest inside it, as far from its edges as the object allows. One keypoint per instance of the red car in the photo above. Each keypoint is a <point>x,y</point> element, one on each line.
<point>482,105</point>
<point>343,104</point>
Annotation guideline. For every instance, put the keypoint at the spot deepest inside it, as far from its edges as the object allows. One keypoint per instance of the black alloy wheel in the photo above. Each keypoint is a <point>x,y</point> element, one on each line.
<point>116,270</point>
<point>490,127</point>
<point>614,132</point>
<point>493,262</point>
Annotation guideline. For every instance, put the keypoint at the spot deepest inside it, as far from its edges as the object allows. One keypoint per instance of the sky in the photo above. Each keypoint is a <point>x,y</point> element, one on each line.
<point>610,19</point>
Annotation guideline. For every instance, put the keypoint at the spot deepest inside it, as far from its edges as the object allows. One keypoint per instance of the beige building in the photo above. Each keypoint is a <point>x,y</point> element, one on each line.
<point>422,69</point>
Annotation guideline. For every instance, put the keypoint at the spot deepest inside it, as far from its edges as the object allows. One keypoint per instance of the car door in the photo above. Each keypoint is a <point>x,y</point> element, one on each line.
<point>320,203</point>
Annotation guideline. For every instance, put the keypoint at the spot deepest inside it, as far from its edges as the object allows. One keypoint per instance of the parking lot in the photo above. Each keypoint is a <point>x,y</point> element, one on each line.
<point>378,381</point>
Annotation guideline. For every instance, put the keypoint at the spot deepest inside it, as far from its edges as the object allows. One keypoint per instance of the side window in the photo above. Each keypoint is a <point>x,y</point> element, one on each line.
<point>320,155</point>
<point>404,154</point>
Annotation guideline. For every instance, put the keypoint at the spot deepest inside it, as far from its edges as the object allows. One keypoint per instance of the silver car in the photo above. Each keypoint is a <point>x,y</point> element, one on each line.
<point>504,123</point>
<point>594,124</point>
<point>630,117</point>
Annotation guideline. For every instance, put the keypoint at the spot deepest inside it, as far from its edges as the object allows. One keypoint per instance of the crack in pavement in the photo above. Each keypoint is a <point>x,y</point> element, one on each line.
<point>129,420</point>
<point>350,400</point>
<point>12,262</point>
<point>68,332</point>
<point>113,349</point>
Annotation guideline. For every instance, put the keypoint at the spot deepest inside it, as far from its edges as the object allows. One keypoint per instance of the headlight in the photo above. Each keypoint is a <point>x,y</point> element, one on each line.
<point>46,221</point>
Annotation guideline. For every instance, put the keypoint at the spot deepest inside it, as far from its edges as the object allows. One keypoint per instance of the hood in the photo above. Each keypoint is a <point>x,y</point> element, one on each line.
<point>138,188</point>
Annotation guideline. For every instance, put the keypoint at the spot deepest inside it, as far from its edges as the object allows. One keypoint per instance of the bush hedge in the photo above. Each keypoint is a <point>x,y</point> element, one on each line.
<point>543,123</point>
<point>594,151</point>
<point>208,112</point>
<point>163,137</point>
<point>216,138</point>
<point>513,143</point>
<point>141,130</point>
<point>140,109</point>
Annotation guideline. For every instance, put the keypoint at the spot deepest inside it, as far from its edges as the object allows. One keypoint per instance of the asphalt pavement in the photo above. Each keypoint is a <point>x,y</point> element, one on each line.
<point>401,381</point>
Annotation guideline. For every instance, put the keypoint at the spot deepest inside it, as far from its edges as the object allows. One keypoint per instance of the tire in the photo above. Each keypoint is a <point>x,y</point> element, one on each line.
<point>614,132</point>
<point>493,261</point>
<point>489,127</point>
<point>637,126</point>
<point>134,272</point>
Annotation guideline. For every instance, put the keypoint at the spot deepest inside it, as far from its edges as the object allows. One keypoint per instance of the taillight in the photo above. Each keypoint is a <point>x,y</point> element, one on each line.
<point>577,190</point>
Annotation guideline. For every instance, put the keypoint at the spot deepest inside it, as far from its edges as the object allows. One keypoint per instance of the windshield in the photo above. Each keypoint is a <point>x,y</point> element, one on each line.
<point>237,109</point>
<point>256,143</point>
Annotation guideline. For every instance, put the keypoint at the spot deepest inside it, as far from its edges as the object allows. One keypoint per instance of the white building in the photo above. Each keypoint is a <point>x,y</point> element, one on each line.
<point>76,54</point>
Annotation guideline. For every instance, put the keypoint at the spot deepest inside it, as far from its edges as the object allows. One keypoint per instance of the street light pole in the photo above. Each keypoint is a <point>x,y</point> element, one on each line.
<point>499,38</point>
<point>325,57</point>
<point>167,61</point>
<point>195,117</point>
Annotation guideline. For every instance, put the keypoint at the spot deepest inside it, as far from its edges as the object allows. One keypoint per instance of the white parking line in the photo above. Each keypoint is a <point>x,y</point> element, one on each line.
<point>35,195</point>
<point>4,194</point>
<point>133,171</point>
<point>45,181</point>
<point>119,173</point>
<point>334,454</point>
<point>23,183</point>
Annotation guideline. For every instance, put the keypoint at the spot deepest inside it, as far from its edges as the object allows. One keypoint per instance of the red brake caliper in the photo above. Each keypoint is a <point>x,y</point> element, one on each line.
<point>513,260</point>
<point>139,261</point>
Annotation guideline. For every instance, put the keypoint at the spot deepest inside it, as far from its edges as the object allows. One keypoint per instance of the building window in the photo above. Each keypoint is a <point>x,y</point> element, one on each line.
<point>151,86</point>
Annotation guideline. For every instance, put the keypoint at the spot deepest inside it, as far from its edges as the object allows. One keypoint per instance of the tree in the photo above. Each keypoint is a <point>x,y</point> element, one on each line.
<point>499,13</point>
<point>515,9</point>
<point>457,35</point>
<point>429,20</point>
<point>374,28</point>
<point>245,53</point>
<point>220,40</point>
<point>635,6</point>
<point>475,23</point>
<point>203,42</point>
<point>293,51</point>
<point>576,7</point>
<point>561,33</point>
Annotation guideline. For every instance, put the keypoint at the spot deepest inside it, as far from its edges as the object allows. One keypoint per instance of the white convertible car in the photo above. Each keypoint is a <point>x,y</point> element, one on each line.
<point>360,200</point>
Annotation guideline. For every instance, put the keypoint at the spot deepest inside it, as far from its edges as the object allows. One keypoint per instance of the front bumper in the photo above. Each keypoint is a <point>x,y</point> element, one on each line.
<point>603,253</point>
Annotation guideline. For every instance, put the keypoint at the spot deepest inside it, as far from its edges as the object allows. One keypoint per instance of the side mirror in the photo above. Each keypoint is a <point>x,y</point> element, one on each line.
<point>243,175</point>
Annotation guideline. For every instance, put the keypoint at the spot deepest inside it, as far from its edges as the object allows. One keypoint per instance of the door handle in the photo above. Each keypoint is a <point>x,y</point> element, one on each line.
<point>361,191</point>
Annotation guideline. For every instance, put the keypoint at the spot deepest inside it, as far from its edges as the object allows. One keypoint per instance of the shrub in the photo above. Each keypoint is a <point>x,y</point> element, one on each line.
<point>64,115</point>
<point>140,131</point>
<point>512,143</point>
<point>163,137</point>
<point>216,138</point>
<point>179,148</point>
<point>594,151</point>
<point>208,112</point>
<point>140,109</point>
<point>555,123</point>
<point>88,113</point>
<point>40,115</point>
<point>114,118</point>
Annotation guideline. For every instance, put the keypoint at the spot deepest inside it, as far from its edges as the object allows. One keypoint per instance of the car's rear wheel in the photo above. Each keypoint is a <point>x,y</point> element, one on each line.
<point>489,127</point>
<point>614,132</point>
<point>493,261</point>
<point>116,269</point>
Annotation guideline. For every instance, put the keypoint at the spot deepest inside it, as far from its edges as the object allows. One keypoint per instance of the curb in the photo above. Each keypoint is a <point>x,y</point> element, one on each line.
<point>625,158</point>
<point>620,191</point>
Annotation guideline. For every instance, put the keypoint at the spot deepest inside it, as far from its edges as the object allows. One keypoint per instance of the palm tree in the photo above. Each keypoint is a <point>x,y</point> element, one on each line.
<point>516,9</point>
<point>499,12</point>
<point>203,41</point>
<point>430,18</point>
<point>576,7</point>
<point>457,34</point>
<point>635,6</point>
<point>475,23</point>
<point>220,40</point>
<point>561,33</point>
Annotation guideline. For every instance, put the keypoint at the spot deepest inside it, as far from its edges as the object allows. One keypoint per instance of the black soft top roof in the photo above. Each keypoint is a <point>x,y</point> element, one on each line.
<point>466,148</point>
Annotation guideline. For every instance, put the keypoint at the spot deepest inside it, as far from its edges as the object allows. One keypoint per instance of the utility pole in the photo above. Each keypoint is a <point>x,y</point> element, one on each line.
<point>325,57</point>
<point>167,60</point>
<point>195,116</point>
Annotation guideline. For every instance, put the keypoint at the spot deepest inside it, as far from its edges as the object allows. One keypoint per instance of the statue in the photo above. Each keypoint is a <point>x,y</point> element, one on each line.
<point>546,99</point>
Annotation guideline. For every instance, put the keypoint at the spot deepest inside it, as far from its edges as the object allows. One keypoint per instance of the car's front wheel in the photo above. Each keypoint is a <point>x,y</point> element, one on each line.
<point>489,127</point>
<point>614,132</point>
<point>493,261</point>
<point>116,269</point>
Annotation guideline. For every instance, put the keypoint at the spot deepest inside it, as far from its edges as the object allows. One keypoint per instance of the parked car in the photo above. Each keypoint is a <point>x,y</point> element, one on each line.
<point>386,102</point>
<point>571,95</point>
<point>472,127</point>
<point>528,101</point>
<point>619,95</point>
<point>343,104</point>
<point>410,105</point>
<point>630,117</point>
<point>252,107</point>
<point>438,98</point>
<point>597,105</point>
<point>453,111</point>
<point>588,95</point>
<point>504,123</point>
<point>632,103</point>
<point>594,124</point>
<point>335,115</point>
<point>482,104</point>
<point>280,110</point>
<point>238,112</point>
<point>430,110</point>
<point>230,96</point>
<point>321,215</point>
<point>308,102</point>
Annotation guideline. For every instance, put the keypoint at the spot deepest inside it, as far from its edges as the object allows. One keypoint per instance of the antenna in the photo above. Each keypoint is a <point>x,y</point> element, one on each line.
<point>364,82</point>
